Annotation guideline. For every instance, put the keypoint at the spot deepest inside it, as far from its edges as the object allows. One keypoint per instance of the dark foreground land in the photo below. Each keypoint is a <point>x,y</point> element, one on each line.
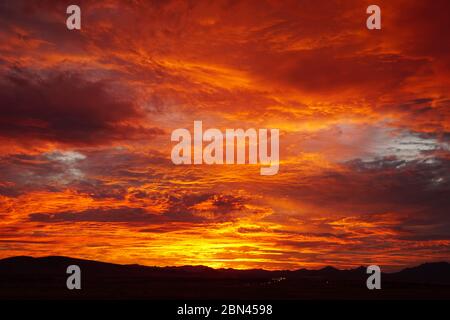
<point>45,278</point>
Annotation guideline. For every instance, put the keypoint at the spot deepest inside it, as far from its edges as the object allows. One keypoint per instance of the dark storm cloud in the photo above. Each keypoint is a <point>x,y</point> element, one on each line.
<point>415,194</point>
<point>64,107</point>
<point>123,214</point>
<point>183,210</point>
<point>379,185</point>
<point>326,70</point>
<point>100,174</point>
<point>423,113</point>
<point>22,173</point>
<point>216,207</point>
<point>123,163</point>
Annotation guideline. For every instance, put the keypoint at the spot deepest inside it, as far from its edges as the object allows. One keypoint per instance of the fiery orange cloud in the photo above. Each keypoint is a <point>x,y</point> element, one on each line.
<point>86,117</point>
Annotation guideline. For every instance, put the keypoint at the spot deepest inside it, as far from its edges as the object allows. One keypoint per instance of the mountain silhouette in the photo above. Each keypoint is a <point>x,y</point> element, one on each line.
<point>437,273</point>
<point>24,277</point>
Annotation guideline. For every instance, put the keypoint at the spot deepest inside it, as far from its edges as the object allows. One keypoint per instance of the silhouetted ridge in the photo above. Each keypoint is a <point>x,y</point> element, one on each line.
<point>433,272</point>
<point>28,277</point>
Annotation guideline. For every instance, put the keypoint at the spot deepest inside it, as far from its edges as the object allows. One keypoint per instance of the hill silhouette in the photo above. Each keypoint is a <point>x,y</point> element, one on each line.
<point>25,277</point>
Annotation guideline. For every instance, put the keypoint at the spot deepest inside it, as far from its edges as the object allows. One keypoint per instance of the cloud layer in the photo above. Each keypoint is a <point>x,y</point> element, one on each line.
<point>86,117</point>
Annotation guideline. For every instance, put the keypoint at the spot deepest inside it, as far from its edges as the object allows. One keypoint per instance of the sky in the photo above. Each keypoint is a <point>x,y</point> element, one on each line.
<point>364,117</point>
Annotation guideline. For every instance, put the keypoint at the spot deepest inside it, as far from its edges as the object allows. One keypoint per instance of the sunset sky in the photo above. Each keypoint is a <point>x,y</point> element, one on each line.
<point>364,117</point>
